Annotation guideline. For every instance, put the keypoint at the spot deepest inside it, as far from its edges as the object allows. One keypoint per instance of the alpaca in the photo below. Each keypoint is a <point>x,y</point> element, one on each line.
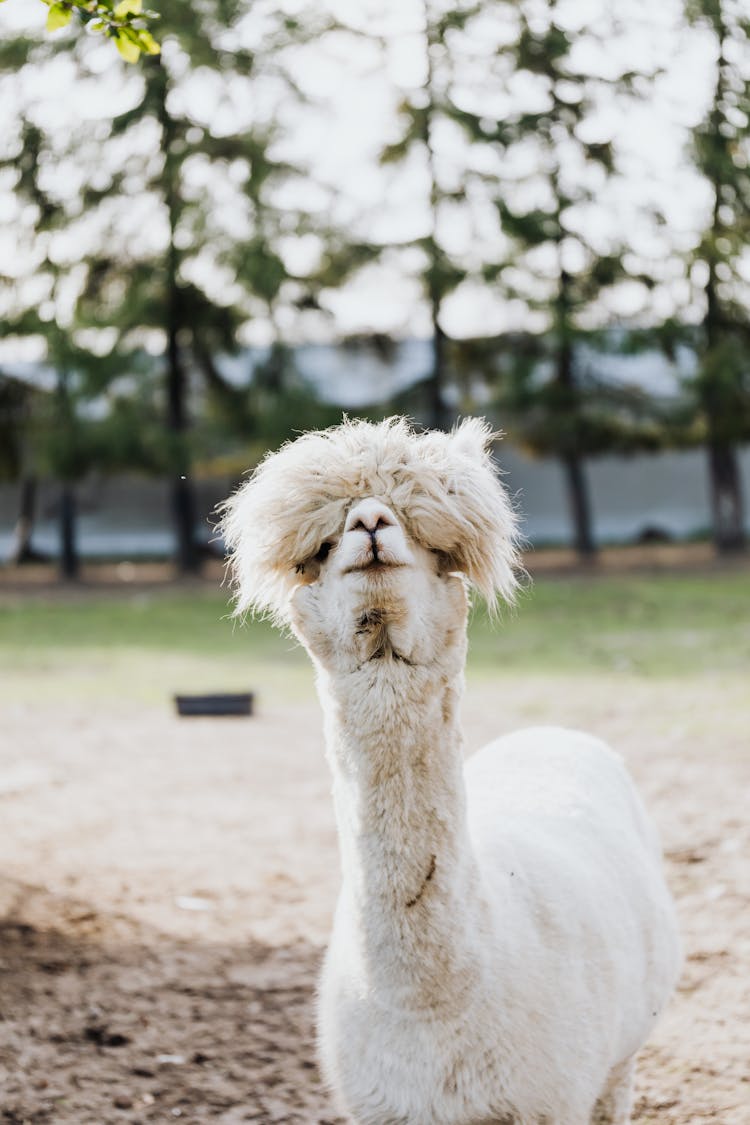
<point>504,940</point>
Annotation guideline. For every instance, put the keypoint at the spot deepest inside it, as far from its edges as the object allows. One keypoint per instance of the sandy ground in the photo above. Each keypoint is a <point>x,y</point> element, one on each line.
<point>166,887</point>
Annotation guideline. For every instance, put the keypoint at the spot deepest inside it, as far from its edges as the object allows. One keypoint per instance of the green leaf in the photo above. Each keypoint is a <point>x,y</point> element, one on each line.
<point>58,16</point>
<point>128,7</point>
<point>148,43</point>
<point>129,50</point>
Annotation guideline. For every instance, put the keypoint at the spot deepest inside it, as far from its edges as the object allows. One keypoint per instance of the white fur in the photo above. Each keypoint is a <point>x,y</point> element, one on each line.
<point>504,940</point>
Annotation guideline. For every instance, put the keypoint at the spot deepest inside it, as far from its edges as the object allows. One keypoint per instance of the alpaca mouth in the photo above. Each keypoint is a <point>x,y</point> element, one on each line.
<point>374,566</point>
<point>376,555</point>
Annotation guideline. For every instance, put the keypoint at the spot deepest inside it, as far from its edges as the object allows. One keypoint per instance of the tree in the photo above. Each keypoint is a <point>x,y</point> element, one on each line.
<point>56,439</point>
<point>162,287</point>
<point>186,281</point>
<point>423,112</point>
<point>83,420</point>
<point>551,166</point>
<point>721,152</point>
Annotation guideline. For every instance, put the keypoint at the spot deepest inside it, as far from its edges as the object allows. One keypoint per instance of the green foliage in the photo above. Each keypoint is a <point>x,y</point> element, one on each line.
<point>722,390</point>
<point>421,113</point>
<point>114,407</point>
<point>162,288</point>
<point>541,394</point>
<point>555,419</point>
<point>56,433</point>
<point>241,423</point>
<point>123,21</point>
<point>14,413</point>
<point>721,152</point>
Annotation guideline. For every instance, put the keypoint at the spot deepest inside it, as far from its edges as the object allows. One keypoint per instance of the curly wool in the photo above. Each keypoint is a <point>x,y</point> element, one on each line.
<point>443,486</point>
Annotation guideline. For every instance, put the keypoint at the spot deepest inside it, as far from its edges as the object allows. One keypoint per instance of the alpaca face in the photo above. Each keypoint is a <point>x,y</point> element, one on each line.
<point>377,594</point>
<point>287,525</point>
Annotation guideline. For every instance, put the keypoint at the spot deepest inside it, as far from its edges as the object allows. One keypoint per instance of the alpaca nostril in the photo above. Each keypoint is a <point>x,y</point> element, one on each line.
<point>369,516</point>
<point>360,525</point>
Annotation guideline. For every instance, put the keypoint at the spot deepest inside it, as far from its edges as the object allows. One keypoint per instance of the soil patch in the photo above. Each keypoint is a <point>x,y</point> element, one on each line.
<point>166,887</point>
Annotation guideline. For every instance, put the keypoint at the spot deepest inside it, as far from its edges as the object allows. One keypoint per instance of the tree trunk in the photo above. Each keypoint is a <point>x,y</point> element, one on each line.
<point>437,408</point>
<point>183,510</point>
<point>187,556</point>
<point>580,505</point>
<point>438,415</point>
<point>22,551</point>
<point>183,495</point>
<point>579,502</point>
<point>69,561</point>
<point>727,509</point>
<point>725,485</point>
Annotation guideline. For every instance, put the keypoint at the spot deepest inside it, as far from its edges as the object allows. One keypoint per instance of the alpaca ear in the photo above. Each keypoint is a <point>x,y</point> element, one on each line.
<point>473,437</point>
<point>479,513</point>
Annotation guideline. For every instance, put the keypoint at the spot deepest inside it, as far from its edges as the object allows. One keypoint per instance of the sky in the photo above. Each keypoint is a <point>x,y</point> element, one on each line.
<point>355,87</point>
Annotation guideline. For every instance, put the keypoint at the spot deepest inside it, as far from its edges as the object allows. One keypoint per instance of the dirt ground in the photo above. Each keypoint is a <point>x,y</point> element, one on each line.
<point>166,887</point>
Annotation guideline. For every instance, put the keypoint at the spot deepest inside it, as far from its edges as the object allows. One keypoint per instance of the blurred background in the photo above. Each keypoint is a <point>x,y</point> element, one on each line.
<point>537,211</point>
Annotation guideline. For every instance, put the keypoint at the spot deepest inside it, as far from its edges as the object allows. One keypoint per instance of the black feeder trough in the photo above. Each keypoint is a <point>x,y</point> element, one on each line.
<point>220,703</point>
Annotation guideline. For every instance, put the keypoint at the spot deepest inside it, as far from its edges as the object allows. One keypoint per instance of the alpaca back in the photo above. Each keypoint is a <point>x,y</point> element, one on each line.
<point>571,866</point>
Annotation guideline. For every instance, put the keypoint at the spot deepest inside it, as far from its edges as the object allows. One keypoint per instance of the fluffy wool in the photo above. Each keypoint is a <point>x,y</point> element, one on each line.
<point>442,486</point>
<point>504,940</point>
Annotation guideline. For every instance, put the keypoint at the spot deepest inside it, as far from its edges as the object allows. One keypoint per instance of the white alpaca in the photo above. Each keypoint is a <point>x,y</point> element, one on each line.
<point>504,940</point>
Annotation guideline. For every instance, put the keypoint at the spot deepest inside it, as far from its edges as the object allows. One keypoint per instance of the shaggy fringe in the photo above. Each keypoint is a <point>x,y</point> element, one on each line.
<point>443,486</point>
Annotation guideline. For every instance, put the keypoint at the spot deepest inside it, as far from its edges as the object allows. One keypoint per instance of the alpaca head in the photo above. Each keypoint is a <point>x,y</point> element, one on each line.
<point>363,530</point>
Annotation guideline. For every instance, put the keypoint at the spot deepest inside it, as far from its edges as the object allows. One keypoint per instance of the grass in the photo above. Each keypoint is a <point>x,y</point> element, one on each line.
<point>658,625</point>
<point>140,645</point>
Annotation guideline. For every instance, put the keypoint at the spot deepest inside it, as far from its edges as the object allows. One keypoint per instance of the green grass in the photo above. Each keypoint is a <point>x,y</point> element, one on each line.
<point>138,645</point>
<point>661,625</point>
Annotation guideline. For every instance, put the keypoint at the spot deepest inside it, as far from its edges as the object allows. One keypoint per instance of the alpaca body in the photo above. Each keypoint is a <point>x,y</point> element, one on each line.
<point>545,869</point>
<point>504,939</point>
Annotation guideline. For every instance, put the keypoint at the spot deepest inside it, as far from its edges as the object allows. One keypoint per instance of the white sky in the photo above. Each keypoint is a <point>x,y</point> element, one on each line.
<point>355,88</point>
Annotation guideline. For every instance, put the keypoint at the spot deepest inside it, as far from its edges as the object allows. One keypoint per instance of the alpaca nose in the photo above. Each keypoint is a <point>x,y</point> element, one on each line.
<point>369,515</point>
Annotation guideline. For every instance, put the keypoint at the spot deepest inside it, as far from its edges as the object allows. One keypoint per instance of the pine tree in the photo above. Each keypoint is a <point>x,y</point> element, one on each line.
<point>62,437</point>
<point>164,291</point>
<point>55,440</point>
<point>423,111</point>
<point>550,170</point>
<point>206,257</point>
<point>721,151</point>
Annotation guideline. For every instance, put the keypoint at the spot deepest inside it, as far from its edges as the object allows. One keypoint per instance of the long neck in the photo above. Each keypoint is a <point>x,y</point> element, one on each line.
<point>410,881</point>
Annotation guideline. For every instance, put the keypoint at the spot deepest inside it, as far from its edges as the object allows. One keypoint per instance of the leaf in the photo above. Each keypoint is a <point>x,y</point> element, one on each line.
<point>58,16</point>
<point>128,7</point>
<point>129,50</point>
<point>148,43</point>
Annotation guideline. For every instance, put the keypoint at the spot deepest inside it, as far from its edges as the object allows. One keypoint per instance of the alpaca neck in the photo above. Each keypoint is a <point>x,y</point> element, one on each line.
<point>409,876</point>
